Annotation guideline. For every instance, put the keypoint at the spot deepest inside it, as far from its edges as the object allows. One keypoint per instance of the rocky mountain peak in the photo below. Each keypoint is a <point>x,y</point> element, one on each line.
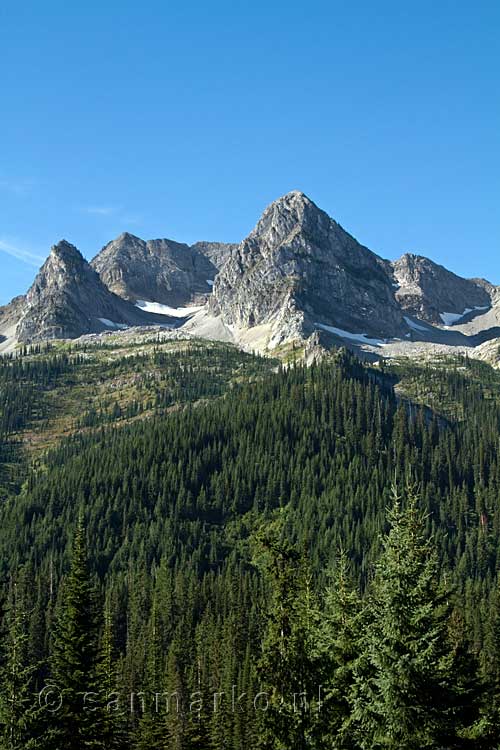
<point>64,260</point>
<point>287,215</point>
<point>65,267</point>
<point>299,270</point>
<point>65,250</point>
<point>429,291</point>
<point>68,299</point>
<point>164,271</point>
<point>128,237</point>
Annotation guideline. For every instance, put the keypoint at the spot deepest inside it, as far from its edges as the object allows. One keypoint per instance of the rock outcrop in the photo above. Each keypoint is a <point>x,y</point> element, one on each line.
<point>68,299</point>
<point>298,270</point>
<point>163,271</point>
<point>429,291</point>
<point>217,252</point>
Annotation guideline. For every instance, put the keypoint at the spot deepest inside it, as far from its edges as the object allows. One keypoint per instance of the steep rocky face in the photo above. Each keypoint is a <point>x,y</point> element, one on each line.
<point>299,276</point>
<point>429,291</point>
<point>299,268</point>
<point>9,318</point>
<point>157,270</point>
<point>217,252</point>
<point>68,299</point>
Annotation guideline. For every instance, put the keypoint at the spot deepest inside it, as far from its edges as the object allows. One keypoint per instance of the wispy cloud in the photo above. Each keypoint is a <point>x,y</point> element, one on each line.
<point>32,259</point>
<point>18,187</point>
<point>119,214</point>
<point>100,210</point>
<point>131,219</point>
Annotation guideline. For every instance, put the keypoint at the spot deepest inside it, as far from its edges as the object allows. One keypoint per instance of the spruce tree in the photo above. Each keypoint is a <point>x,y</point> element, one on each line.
<point>114,724</point>
<point>20,721</point>
<point>491,669</point>
<point>405,692</point>
<point>338,646</point>
<point>76,657</point>
<point>290,669</point>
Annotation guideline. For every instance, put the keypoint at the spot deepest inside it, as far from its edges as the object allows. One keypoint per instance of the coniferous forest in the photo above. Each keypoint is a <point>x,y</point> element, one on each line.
<point>206,550</point>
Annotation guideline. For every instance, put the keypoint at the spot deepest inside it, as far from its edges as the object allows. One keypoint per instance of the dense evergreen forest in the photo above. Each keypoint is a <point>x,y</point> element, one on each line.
<point>214,552</point>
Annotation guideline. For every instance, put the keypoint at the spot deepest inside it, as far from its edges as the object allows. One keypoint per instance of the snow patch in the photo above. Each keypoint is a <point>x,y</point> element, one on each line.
<point>416,327</point>
<point>361,338</point>
<point>450,318</point>
<point>110,324</point>
<point>157,309</point>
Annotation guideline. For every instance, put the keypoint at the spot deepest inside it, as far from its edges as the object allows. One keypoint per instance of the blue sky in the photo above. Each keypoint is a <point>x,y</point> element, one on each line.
<point>184,120</point>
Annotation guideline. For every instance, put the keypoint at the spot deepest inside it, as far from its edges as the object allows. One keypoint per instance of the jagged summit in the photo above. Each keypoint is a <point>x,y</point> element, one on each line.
<point>297,275</point>
<point>285,214</point>
<point>429,291</point>
<point>164,271</point>
<point>68,299</point>
<point>299,269</point>
<point>65,249</point>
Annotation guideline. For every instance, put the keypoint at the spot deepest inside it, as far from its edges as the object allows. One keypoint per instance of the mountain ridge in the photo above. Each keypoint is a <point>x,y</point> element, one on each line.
<point>68,299</point>
<point>298,274</point>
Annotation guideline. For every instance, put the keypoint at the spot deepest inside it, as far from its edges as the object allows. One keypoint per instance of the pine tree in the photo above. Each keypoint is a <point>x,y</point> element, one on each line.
<point>19,708</point>
<point>114,729</point>
<point>338,646</point>
<point>151,731</point>
<point>405,694</point>
<point>75,657</point>
<point>491,669</point>
<point>289,669</point>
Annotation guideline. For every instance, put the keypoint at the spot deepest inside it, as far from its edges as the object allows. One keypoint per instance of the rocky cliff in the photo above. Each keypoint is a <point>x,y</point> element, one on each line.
<point>434,294</point>
<point>163,271</point>
<point>299,270</point>
<point>68,299</point>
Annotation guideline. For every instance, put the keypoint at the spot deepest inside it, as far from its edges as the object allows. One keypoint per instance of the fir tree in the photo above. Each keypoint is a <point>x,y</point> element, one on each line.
<point>405,693</point>
<point>338,646</point>
<point>19,707</point>
<point>75,657</point>
<point>289,669</point>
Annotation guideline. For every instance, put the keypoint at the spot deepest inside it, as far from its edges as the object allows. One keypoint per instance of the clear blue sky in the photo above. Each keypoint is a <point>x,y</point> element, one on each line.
<point>185,119</point>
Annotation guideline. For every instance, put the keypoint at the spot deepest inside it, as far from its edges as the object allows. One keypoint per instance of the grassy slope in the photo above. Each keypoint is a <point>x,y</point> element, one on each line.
<point>120,382</point>
<point>447,385</point>
<point>121,379</point>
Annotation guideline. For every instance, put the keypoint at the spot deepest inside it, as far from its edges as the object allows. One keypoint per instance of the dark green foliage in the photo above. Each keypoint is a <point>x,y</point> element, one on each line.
<point>408,683</point>
<point>340,645</point>
<point>75,658</point>
<point>172,499</point>
<point>20,718</point>
<point>290,669</point>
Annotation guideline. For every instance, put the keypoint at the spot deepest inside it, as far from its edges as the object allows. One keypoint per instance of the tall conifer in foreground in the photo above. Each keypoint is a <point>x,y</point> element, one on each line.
<point>290,668</point>
<point>19,708</point>
<point>338,645</point>
<point>75,657</point>
<point>408,691</point>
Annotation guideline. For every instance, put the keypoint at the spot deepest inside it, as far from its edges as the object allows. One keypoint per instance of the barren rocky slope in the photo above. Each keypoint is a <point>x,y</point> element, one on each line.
<point>298,277</point>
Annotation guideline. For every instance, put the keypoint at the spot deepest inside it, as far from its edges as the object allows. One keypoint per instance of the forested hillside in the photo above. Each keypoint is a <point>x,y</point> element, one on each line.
<point>188,520</point>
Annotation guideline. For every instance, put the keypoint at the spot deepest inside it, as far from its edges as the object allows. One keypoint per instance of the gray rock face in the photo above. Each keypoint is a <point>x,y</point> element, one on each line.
<point>158,270</point>
<point>68,299</point>
<point>10,314</point>
<point>426,289</point>
<point>217,252</point>
<point>299,276</point>
<point>299,268</point>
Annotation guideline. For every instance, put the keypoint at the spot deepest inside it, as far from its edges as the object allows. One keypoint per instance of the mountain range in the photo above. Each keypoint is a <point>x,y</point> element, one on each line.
<point>298,278</point>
